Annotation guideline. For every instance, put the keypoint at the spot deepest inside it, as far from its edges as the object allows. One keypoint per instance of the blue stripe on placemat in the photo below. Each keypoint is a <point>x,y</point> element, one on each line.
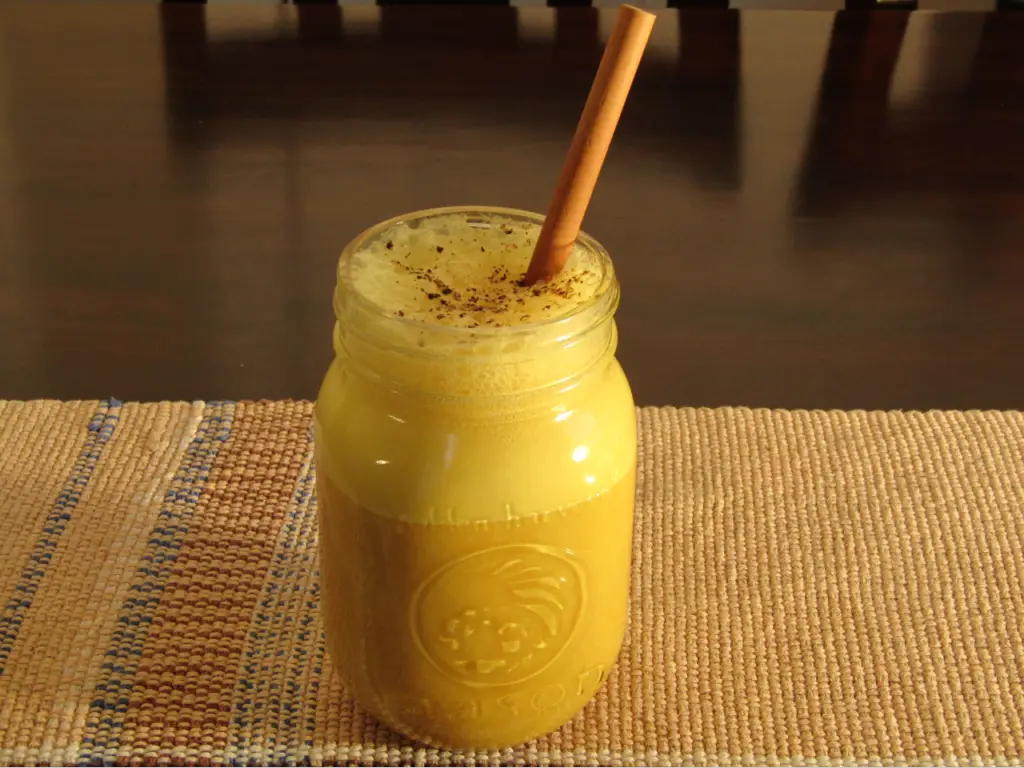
<point>100,429</point>
<point>105,721</point>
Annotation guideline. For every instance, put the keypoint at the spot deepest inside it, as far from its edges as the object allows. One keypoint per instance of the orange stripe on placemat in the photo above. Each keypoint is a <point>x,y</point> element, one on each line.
<point>181,701</point>
<point>276,693</point>
<point>110,688</point>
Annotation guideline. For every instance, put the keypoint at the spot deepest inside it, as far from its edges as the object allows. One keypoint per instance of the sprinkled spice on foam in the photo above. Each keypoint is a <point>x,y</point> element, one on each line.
<point>493,299</point>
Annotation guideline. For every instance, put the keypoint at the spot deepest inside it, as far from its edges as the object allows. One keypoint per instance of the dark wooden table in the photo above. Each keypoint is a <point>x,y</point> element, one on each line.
<point>807,209</point>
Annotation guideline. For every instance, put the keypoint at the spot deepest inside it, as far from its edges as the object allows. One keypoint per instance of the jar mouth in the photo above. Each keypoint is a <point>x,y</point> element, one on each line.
<point>598,305</point>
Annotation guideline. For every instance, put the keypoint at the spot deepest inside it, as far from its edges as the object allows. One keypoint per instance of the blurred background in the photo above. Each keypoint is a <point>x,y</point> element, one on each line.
<point>808,208</point>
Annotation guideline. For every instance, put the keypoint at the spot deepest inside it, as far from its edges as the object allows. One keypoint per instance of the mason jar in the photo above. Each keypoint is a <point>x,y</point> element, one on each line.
<point>476,489</point>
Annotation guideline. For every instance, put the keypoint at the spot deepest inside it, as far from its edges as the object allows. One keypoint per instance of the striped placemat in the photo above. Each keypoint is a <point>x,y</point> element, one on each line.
<point>808,587</point>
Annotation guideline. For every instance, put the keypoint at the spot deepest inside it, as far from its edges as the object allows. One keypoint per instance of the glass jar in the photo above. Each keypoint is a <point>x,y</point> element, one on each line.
<point>476,493</point>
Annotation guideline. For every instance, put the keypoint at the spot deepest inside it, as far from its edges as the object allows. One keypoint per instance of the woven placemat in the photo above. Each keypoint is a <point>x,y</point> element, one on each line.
<point>807,588</point>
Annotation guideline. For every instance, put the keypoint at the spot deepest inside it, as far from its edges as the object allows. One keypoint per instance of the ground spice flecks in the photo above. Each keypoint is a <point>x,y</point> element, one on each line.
<point>495,298</point>
<point>450,271</point>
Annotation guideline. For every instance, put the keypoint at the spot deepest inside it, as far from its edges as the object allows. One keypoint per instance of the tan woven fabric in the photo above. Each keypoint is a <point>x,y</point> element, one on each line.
<point>809,588</point>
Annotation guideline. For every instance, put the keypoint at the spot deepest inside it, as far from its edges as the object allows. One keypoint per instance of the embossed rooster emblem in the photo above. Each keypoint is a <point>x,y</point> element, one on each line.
<point>501,615</point>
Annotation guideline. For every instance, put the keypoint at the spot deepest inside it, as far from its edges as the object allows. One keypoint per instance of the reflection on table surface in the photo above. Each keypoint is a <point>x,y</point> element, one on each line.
<point>807,209</point>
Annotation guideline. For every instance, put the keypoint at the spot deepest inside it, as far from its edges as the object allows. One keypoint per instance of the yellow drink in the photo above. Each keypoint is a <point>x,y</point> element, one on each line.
<point>476,464</point>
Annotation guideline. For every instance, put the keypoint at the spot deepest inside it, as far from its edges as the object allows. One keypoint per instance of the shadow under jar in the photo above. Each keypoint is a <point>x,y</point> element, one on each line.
<point>476,464</point>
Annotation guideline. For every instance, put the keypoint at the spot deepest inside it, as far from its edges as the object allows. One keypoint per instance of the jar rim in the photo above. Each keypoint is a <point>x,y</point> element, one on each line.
<point>604,299</point>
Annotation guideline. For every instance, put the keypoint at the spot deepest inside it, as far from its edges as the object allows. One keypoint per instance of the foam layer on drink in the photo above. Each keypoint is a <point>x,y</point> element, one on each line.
<point>465,271</point>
